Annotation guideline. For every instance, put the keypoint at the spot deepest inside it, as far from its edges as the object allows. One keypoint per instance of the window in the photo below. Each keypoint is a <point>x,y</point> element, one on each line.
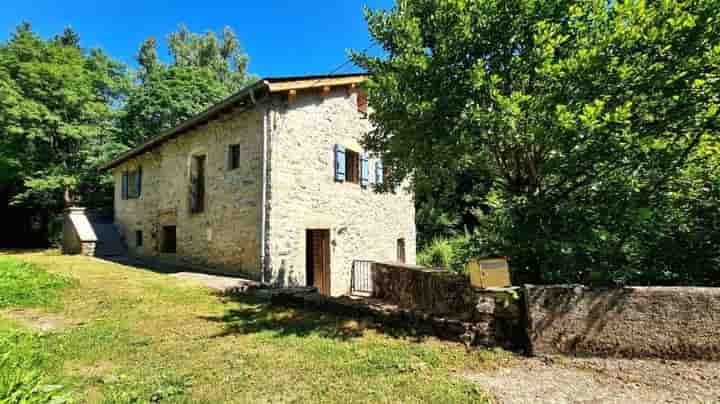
<point>401,250</point>
<point>352,166</point>
<point>168,242</point>
<point>138,238</point>
<point>234,157</point>
<point>386,173</point>
<point>362,103</point>
<point>197,184</point>
<point>132,184</point>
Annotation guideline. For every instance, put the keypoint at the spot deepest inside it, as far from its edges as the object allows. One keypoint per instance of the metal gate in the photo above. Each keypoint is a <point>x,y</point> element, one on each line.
<point>361,281</point>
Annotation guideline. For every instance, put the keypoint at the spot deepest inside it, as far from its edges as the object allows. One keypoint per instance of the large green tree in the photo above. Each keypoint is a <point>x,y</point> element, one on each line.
<point>593,121</point>
<point>204,70</point>
<point>57,118</point>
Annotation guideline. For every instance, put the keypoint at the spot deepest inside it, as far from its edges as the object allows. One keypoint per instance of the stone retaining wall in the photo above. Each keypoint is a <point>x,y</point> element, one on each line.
<point>667,322</point>
<point>663,322</point>
<point>493,316</point>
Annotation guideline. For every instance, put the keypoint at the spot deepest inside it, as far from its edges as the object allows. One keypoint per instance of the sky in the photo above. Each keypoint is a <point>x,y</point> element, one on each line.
<point>282,37</point>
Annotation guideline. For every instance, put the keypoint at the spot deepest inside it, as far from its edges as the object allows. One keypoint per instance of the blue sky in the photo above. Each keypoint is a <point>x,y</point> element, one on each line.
<point>282,37</point>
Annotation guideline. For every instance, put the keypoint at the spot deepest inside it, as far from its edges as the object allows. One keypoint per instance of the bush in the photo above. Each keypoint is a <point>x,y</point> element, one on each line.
<point>439,253</point>
<point>451,253</point>
<point>24,284</point>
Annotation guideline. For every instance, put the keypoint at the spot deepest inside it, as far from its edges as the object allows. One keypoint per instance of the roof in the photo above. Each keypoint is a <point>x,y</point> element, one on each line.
<point>247,96</point>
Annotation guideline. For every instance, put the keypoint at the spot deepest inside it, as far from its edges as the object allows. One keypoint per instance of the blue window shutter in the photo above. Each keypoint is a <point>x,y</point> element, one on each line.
<point>364,170</point>
<point>124,186</point>
<point>379,172</point>
<point>339,163</point>
<point>139,181</point>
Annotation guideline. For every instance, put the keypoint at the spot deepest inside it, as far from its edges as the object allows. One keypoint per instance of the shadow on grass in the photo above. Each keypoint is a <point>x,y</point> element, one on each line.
<point>255,315</point>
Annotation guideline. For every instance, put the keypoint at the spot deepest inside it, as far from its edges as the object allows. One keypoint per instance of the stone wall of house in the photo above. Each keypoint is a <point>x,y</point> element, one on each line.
<point>304,194</point>
<point>492,317</point>
<point>667,322</point>
<point>225,236</point>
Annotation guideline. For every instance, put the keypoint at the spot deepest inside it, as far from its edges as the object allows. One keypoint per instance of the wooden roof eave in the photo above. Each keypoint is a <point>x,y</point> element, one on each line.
<point>282,86</point>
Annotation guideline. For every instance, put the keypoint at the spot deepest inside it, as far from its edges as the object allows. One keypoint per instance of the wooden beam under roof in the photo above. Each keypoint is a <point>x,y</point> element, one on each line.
<point>282,86</point>
<point>292,94</point>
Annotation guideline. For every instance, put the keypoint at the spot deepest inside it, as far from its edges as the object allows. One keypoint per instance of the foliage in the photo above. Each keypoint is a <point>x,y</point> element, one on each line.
<point>437,254</point>
<point>591,120</point>
<point>203,72</point>
<point>20,379</point>
<point>452,253</point>
<point>23,284</point>
<point>56,116</point>
<point>167,97</point>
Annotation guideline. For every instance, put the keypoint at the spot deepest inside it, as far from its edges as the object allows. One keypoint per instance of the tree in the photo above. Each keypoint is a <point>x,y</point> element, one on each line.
<point>205,51</point>
<point>167,97</point>
<point>56,118</point>
<point>586,116</point>
<point>68,38</point>
<point>147,58</point>
<point>204,71</point>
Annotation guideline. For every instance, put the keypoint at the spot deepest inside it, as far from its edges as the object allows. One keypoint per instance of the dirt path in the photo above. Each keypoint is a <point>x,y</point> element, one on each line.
<point>39,320</point>
<point>595,380</point>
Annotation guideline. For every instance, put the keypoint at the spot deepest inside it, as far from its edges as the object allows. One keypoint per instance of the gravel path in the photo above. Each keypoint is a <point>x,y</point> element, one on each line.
<point>596,380</point>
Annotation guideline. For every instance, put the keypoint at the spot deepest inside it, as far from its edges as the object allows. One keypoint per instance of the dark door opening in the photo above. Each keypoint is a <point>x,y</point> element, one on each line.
<point>317,258</point>
<point>168,243</point>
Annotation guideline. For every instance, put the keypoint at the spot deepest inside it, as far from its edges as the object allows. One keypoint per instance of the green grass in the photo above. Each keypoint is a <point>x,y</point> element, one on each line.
<point>140,336</point>
<point>25,284</point>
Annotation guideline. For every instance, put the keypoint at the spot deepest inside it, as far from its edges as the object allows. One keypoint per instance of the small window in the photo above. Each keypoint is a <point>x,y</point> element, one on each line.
<point>362,103</point>
<point>132,183</point>
<point>168,243</point>
<point>386,174</point>
<point>197,184</point>
<point>401,250</point>
<point>138,238</point>
<point>234,157</point>
<point>125,181</point>
<point>352,166</point>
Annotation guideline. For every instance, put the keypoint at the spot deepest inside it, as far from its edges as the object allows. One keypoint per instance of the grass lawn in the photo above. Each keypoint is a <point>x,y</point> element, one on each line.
<point>131,335</point>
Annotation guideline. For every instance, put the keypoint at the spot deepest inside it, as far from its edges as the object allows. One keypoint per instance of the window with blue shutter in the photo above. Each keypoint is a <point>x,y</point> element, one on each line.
<point>124,186</point>
<point>364,170</point>
<point>339,163</point>
<point>379,172</point>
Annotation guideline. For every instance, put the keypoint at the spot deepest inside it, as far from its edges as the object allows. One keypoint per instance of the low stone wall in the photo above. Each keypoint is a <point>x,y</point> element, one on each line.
<point>667,322</point>
<point>664,322</point>
<point>493,316</point>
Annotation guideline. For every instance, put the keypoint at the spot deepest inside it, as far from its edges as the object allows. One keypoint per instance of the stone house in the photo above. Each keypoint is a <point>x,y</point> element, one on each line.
<point>269,184</point>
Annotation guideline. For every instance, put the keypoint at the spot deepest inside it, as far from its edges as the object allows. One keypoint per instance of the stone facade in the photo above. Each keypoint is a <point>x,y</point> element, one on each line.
<point>225,236</point>
<point>363,224</point>
<point>301,194</point>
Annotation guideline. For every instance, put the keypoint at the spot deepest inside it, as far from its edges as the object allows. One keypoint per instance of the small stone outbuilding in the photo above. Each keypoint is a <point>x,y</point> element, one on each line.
<point>78,235</point>
<point>271,184</point>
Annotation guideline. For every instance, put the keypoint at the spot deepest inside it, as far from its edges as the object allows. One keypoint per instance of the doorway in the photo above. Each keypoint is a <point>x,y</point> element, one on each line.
<point>168,242</point>
<point>317,270</point>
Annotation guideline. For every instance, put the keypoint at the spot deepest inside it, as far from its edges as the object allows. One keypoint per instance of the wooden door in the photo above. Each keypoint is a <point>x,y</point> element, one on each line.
<point>319,259</point>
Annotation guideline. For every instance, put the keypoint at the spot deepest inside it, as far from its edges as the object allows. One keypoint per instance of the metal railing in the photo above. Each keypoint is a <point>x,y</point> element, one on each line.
<point>361,280</point>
